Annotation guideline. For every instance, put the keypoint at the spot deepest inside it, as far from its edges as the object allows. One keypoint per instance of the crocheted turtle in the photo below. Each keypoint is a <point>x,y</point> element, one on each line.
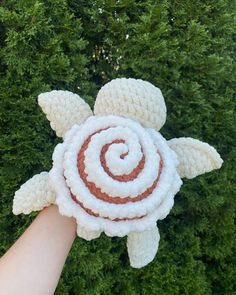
<point>114,171</point>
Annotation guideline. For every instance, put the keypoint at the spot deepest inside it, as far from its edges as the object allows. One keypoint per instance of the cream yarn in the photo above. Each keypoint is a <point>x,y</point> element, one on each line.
<point>135,99</point>
<point>34,195</point>
<point>196,157</point>
<point>63,109</point>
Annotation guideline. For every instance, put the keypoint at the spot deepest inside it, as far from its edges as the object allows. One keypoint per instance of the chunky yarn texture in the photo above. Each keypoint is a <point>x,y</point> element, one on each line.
<point>114,171</point>
<point>116,176</point>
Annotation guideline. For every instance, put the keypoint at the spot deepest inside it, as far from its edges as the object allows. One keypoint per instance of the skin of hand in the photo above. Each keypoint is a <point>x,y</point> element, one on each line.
<point>33,265</point>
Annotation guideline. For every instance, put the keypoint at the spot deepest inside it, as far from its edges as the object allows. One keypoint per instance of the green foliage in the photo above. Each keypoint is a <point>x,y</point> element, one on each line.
<point>183,47</point>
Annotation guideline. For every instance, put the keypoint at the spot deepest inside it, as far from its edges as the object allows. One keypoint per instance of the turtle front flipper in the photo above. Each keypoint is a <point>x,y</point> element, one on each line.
<point>34,195</point>
<point>142,247</point>
<point>64,109</point>
<point>195,157</point>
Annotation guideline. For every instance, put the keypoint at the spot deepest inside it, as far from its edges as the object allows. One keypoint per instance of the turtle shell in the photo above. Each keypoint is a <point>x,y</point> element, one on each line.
<point>114,175</point>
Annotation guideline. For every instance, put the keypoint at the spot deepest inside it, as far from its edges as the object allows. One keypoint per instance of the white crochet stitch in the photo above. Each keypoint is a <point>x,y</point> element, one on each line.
<point>58,104</point>
<point>196,157</point>
<point>34,195</point>
<point>64,174</point>
<point>135,99</point>
<point>144,244</point>
<point>114,172</point>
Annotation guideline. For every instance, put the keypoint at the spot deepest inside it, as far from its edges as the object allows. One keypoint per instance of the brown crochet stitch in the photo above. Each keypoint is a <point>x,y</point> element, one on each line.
<point>125,177</point>
<point>90,212</point>
<point>97,191</point>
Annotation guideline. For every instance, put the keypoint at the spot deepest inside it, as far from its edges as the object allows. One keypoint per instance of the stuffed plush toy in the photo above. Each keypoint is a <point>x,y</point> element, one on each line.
<point>114,171</point>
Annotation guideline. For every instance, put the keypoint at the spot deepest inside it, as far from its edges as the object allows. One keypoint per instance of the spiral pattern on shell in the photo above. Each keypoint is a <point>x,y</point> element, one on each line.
<point>117,176</point>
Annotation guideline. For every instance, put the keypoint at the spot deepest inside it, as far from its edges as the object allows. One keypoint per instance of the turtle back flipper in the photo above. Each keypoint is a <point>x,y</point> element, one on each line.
<point>142,247</point>
<point>34,195</point>
<point>64,109</point>
<point>87,234</point>
<point>195,157</point>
